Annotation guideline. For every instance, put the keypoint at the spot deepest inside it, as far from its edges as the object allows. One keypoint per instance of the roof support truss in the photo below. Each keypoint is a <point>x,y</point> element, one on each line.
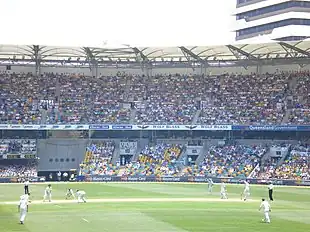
<point>192,57</point>
<point>238,51</point>
<point>92,61</point>
<point>142,59</point>
<point>140,55</point>
<point>293,49</point>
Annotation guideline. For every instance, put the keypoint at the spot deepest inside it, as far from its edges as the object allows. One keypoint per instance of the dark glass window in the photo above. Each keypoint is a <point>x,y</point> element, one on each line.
<point>292,38</point>
<point>244,1</point>
<point>271,26</point>
<point>273,8</point>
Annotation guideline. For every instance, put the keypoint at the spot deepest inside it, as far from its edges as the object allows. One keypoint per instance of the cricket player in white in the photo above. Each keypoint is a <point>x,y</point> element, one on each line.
<point>266,207</point>
<point>48,193</point>
<point>223,191</point>
<point>70,194</point>
<point>210,185</point>
<point>246,191</point>
<point>23,207</point>
<point>81,196</point>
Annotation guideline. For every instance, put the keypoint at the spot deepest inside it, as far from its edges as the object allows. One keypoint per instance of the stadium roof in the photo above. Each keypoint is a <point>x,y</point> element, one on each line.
<point>231,55</point>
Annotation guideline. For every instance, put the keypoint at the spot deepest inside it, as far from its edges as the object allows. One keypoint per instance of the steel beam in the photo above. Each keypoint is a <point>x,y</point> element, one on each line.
<point>295,49</point>
<point>242,52</point>
<point>191,54</point>
<point>140,53</point>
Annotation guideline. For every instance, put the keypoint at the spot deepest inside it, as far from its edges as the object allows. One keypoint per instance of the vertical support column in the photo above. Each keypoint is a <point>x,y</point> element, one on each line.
<point>259,68</point>
<point>37,59</point>
<point>94,68</point>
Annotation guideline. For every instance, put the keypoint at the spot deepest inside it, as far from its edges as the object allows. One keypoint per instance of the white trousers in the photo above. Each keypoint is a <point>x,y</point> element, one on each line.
<point>81,198</point>
<point>48,196</point>
<point>223,195</point>
<point>267,218</point>
<point>246,194</point>
<point>23,213</point>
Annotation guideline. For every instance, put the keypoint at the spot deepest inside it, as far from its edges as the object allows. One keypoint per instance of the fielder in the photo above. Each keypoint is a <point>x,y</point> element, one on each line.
<point>23,207</point>
<point>246,192</point>
<point>210,185</point>
<point>266,206</point>
<point>223,191</point>
<point>81,196</point>
<point>70,194</point>
<point>48,193</point>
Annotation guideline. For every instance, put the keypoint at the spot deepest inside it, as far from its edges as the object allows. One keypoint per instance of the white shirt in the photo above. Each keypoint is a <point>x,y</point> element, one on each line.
<point>24,197</point>
<point>80,193</point>
<point>270,186</point>
<point>265,205</point>
<point>23,203</point>
<point>223,187</point>
<point>246,186</point>
<point>26,183</point>
<point>48,190</point>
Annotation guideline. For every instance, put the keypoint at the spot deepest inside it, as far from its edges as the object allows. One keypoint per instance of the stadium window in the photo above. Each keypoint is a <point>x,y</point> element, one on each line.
<point>271,26</point>
<point>62,160</point>
<point>273,8</point>
<point>67,160</point>
<point>56,160</point>
<point>73,160</point>
<point>50,160</point>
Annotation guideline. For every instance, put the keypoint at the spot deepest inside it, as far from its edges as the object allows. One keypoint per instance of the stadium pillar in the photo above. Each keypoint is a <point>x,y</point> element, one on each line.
<point>94,68</point>
<point>38,68</point>
<point>37,59</point>
<point>148,70</point>
<point>259,68</point>
<point>203,69</point>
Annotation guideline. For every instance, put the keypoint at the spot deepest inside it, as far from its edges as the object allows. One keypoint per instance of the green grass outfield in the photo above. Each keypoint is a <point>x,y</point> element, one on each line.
<point>148,207</point>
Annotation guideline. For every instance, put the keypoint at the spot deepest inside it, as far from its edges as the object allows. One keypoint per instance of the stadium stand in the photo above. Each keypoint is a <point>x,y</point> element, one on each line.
<point>25,170</point>
<point>296,166</point>
<point>159,159</point>
<point>98,158</point>
<point>174,99</point>
<point>229,161</point>
<point>21,147</point>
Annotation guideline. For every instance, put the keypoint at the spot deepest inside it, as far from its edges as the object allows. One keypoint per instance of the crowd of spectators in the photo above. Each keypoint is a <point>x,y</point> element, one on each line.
<point>18,170</point>
<point>224,99</point>
<point>159,159</point>
<point>18,147</point>
<point>98,157</point>
<point>296,166</point>
<point>246,99</point>
<point>300,97</point>
<point>169,99</point>
<point>228,161</point>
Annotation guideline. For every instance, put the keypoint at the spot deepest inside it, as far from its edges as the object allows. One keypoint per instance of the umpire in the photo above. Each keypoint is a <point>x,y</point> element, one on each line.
<point>270,191</point>
<point>26,186</point>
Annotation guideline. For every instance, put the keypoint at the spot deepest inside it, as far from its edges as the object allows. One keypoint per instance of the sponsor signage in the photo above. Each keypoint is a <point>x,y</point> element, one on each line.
<point>197,179</point>
<point>157,127</point>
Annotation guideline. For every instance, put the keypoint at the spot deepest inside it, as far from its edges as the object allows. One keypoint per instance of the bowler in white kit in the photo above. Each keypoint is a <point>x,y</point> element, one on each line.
<point>223,191</point>
<point>81,196</point>
<point>246,191</point>
<point>48,193</point>
<point>23,207</point>
<point>266,207</point>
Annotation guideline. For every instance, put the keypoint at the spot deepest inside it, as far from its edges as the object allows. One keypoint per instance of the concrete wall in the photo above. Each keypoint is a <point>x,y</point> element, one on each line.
<point>68,152</point>
<point>113,71</point>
